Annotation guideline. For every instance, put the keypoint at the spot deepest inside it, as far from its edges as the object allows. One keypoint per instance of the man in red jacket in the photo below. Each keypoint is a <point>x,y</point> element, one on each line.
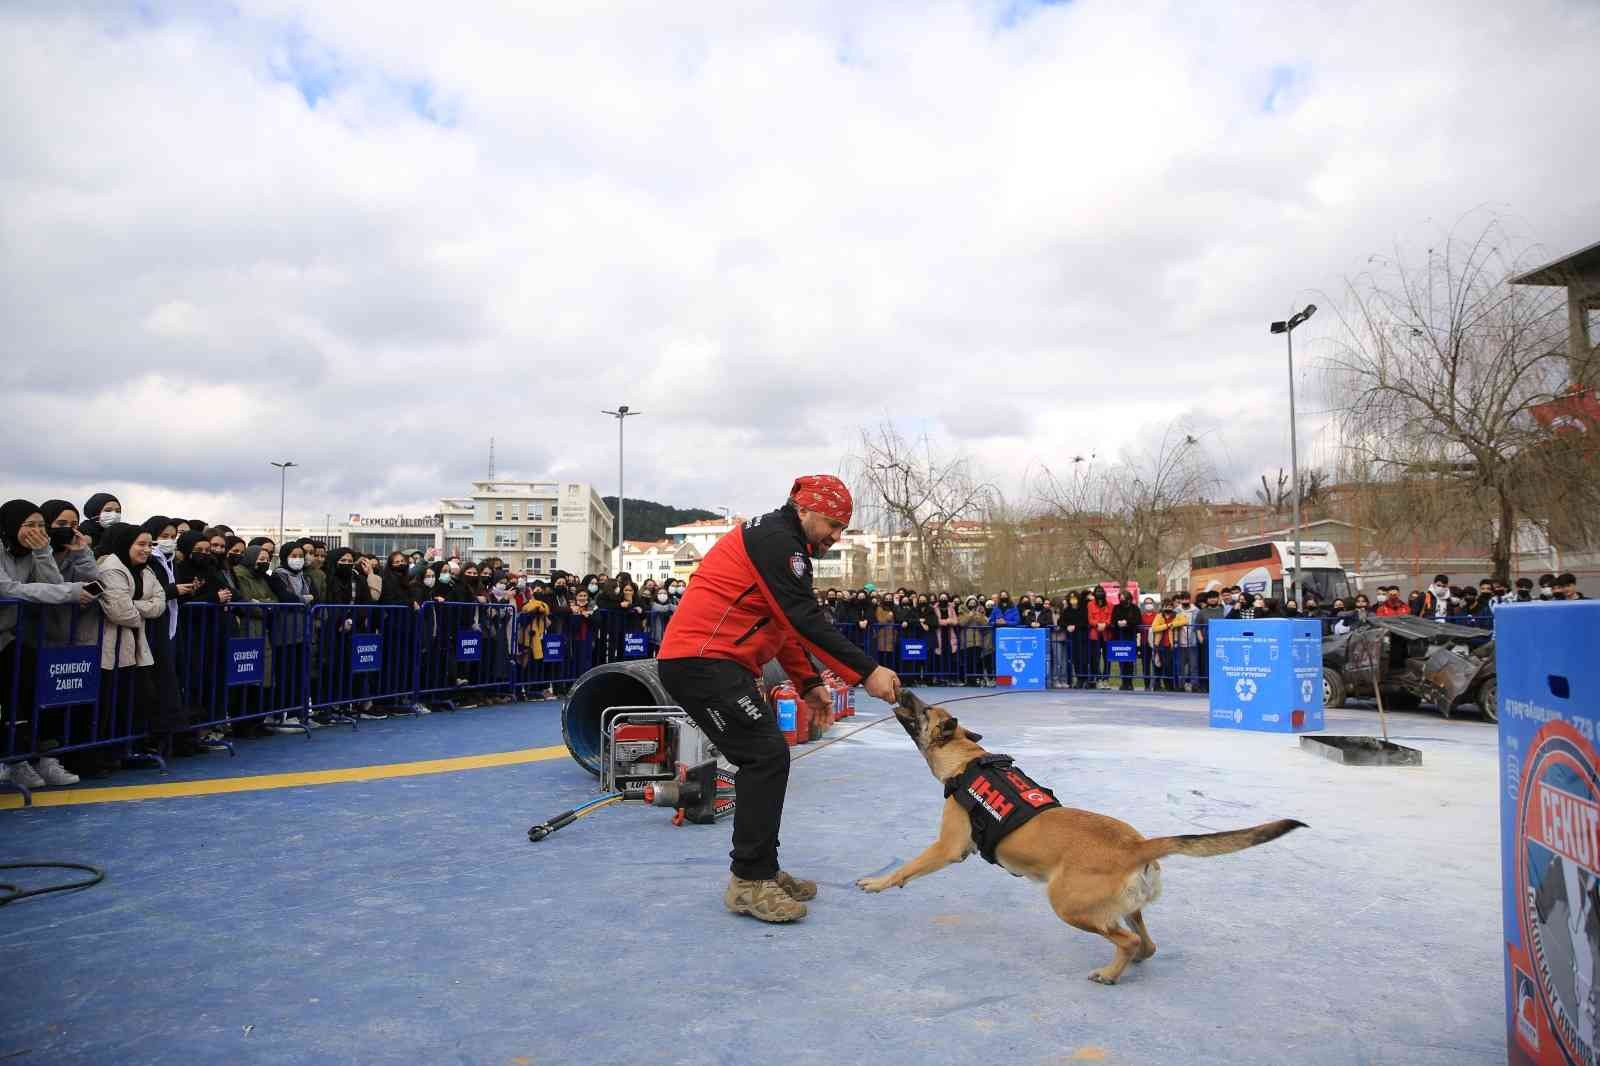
<point>752,600</point>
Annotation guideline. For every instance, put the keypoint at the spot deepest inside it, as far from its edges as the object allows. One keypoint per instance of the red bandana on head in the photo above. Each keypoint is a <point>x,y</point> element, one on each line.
<point>824,494</point>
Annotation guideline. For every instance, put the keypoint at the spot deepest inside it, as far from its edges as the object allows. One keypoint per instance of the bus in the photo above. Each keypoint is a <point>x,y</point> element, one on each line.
<point>1260,569</point>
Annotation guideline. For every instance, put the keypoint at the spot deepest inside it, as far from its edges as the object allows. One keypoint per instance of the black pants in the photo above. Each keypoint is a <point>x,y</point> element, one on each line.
<point>723,700</point>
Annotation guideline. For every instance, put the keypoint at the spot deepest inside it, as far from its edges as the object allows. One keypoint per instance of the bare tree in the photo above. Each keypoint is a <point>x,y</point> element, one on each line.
<point>1122,512</point>
<point>1438,369</point>
<point>1313,489</point>
<point>909,486</point>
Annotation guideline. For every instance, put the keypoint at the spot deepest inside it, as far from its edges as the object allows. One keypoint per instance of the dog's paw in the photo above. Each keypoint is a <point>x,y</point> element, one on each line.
<point>873,884</point>
<point>1101,979</point>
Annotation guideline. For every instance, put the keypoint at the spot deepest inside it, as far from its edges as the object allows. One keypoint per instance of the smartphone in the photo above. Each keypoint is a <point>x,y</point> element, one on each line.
<point>95,589</point>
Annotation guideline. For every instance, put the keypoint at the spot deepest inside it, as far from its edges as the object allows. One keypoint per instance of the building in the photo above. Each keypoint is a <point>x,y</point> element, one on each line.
<point>648,559</point>
<point>703,534</point>
<point>685,561</point>
<point>439,535</point>
<point>541,526</point>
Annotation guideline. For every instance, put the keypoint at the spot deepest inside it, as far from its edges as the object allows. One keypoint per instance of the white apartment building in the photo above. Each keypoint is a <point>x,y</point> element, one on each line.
<point>703,534</point>
<point>540,526</point>
<point>648,559</point>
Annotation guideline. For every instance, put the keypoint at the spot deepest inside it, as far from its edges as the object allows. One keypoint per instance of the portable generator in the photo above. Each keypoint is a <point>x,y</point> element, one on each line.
<point>655,753</point>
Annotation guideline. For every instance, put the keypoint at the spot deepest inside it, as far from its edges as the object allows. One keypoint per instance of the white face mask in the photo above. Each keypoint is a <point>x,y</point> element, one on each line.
<point>167,545</point>
<point>428,581</point>
<point>593,588</point>
<point>297,565</point>
<point>110,518</point>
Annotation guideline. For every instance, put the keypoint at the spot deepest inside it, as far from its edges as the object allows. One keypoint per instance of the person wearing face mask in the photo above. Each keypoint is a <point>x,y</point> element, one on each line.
<point>68,624</point>
<point>885,629</point>
<point>398,590</point>
<point>1005,612</point>
<point>28,572</point>
<point>1436,602</point>
<point>1072,623</point>
<point>198,577</point>
<point>104,511</point>
<point>1099,611</point>
<point>977,640</point>
<point>312,569</point>
<point>168,719</point>
<point>947,636</point>
<point>661,608</point>
<point>291,583</point>
<point>1126,620</point>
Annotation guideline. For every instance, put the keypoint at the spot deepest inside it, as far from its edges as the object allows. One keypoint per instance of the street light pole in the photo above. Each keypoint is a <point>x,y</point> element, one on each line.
<point>621,414</point>
<point>283,487</point>
<point>1287,327</point>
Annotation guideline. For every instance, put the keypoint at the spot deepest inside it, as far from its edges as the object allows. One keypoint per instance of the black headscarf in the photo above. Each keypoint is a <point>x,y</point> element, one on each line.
<point>97,503</point>
<point>117,541</point>
<point>187,541</point>
<point>155,525</point>
<point>52,510</point>
<point>90,525</point>
<point>12,514</point>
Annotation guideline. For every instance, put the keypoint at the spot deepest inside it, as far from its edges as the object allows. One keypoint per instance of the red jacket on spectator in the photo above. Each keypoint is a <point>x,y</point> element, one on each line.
<point>1099,618</point>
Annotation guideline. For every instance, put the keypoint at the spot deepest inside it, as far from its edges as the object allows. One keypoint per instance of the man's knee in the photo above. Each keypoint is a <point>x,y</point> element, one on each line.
<point>767,754</point>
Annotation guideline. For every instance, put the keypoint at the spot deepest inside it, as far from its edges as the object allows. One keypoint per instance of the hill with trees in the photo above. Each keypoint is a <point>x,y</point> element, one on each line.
<point>648,520</point>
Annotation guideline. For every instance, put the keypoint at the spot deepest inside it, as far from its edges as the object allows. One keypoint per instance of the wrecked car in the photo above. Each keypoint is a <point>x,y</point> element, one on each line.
<point>1414,660</point>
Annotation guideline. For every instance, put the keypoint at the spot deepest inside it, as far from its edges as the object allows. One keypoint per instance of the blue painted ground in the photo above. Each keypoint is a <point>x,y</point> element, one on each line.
<point>410,921</point>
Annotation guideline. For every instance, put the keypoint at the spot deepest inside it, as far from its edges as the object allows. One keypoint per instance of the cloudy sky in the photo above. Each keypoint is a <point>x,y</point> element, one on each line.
<point>366,237</point>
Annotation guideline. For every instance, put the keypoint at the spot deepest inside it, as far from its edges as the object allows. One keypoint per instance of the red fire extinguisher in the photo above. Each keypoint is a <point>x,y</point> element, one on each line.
<point>786,702</point>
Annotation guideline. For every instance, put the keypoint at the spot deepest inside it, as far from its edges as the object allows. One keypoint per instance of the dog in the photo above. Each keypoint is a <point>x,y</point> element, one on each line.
<point>1098,871</point>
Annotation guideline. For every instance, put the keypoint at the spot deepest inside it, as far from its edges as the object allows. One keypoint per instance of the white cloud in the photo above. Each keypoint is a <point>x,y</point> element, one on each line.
<point>1040,236</point>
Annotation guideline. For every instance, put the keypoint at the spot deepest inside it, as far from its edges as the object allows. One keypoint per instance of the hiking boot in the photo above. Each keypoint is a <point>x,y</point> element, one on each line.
<point>796,888</point>
<point>763,900</point>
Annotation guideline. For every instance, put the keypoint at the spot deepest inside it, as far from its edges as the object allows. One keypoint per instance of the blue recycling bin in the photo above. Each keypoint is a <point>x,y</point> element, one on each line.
<point>1021,657</point>
<point>1549,708</point>
<point>1266,673</point>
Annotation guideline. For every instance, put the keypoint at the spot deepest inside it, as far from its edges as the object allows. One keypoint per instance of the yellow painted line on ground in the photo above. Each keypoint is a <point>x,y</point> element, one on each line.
<point>256,783</point>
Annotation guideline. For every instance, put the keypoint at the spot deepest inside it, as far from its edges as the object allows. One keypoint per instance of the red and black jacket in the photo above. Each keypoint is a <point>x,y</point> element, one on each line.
<point>751,600</point>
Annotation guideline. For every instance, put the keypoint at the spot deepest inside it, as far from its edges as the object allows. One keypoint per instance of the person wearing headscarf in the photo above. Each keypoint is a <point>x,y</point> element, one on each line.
<point>28,571</point>
<point>198,578</point>
<point>68,544</point>
<point>291,581</point>
<point>100,513</point>
<point>398,590</point>
<point>313,571</point>
<point>346,585</point>
<point>166,718</point>
<point>133,603</point>
<point>250,575</point>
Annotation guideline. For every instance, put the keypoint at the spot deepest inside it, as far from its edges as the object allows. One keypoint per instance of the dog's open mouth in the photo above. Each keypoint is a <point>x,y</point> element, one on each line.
<point>907,713</point>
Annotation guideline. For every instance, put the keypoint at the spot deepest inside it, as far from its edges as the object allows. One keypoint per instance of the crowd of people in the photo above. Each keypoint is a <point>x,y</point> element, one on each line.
<point>93,570</point>
<point>97,574</point>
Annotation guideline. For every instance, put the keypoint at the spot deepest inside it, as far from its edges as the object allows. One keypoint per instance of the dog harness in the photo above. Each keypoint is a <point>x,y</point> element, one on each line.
<point>998,798</point>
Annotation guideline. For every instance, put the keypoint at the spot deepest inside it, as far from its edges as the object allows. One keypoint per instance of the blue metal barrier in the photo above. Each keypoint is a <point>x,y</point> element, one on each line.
<point>364,654</point>
<point>243,662</point>
<point>464,648</point>
<point>55,699</point>
<point>545,656</point>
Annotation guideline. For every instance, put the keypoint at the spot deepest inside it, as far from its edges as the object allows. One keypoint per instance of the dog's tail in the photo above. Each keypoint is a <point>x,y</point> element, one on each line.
<point>1205,845</point>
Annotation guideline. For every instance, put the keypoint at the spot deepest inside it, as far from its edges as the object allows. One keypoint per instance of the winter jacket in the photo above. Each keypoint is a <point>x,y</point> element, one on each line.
<point>1100,620</point>
<point>752,600</point>
<point>1005,615</point>
<point>33,577</point>
<point>123,641</point>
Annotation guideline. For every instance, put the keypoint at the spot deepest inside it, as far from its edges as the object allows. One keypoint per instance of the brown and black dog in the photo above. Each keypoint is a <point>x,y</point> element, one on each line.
<point>1098,870</point>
